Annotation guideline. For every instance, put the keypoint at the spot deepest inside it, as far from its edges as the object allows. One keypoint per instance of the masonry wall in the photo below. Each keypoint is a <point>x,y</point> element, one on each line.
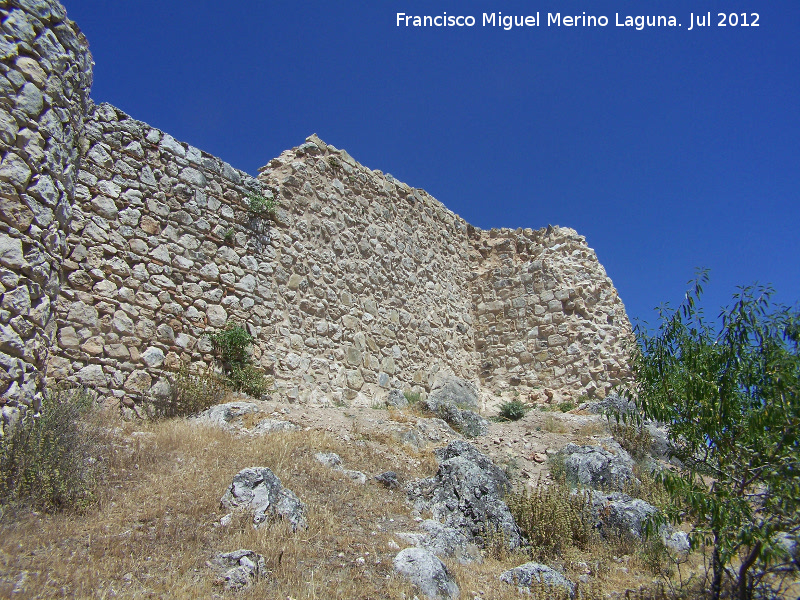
<point>360,283</point>
<point>45,75</point>
<point>546,315</point>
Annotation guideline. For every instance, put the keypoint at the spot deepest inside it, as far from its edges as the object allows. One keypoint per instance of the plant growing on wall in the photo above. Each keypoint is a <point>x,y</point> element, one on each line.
<point>232,345</point>
<point>260,205</point>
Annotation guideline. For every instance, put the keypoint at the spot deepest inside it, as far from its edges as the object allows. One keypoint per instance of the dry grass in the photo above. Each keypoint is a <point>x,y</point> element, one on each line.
<point>553,424</point>
<point>154,528</point>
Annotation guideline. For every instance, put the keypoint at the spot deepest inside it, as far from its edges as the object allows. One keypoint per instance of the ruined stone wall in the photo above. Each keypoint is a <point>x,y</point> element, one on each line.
<point>546,315</point>
<point>45,75</point>
<point>357,286</point>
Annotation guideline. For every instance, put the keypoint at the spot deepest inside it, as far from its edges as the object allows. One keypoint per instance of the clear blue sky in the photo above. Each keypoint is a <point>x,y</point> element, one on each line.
<point>668,149</point>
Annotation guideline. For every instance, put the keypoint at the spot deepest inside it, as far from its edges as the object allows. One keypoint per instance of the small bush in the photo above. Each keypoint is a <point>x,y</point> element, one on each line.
<point>552,518</point>
<point>232,345</point>
<point>565,407</point>
<point>193,392</point>
<point>412,397</point>
<point>633,437</point>
<point>50,461</point>
<point>513,410</point>
<point>260,206</point>
<point>250,380</point>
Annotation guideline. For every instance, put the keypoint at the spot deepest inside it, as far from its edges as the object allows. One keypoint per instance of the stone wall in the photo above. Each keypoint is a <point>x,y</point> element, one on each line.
<point>359,284</point>
<point>546,315</point>
<point>45,75</point>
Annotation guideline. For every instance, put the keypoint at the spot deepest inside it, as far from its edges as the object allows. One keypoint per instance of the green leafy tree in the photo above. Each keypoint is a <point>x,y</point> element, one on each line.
<point>727,391</point>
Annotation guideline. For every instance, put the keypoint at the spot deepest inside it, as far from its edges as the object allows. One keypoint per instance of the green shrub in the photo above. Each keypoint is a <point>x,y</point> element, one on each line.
<point>567,406</point>
<point>193,392</point>
<point>634,438</point>
<point>412,397</point>
<point>261,206</point>
<point>53,461</point>
<point>232,345</point>
<point>513,410</point>
<point>250,380</point>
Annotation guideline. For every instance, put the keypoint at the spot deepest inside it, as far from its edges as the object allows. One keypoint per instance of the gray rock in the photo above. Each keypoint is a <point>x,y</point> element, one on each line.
<point>239,569</point>
<point>449,389</point>
<point>427,572</point>
<point>11,255</point>
<point>153,357</point>
<point>221,415</point>
<point>468,423</point>
<point>617,513</point>
<point>388,480</point>
<point>397,399</point>
<point>608,465</point>
<point>524,576</point>
<point>259,491</point>
<point>92,376</point>
<point>610,405</point>
<point>274,426</point>
<point>467,493</point>
<point>332,460</point>
<point>444,541</point>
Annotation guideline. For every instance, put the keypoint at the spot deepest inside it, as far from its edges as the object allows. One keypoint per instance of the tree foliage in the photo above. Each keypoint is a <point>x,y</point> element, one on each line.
<point>727,391</point>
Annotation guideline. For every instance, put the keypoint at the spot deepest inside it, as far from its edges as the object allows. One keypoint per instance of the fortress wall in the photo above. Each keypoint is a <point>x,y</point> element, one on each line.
<point>148,270</point>
<point>45,76</point>
<point>359,285</point>
<point>546,314</point>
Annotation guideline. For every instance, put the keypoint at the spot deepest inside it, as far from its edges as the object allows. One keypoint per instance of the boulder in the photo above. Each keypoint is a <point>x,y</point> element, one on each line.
<point>332,460</point>
<point>259,491</point>
<point>609,465</point>
<point>532,573</point>
<point>619,513</point>
<point>238,569</point>
<point>397,399</point>
<point>274,426</point>
<point>222,415</point>
<point>444,541</point>
<point>467,494</point>
<point>468,423</point>
<point>610,405</point>
<point>427,572</point>
<point>449,389</point>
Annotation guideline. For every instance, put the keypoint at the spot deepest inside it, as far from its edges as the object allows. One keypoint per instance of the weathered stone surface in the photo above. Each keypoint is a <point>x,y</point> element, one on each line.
<point>524,576</point>
<point>239,569</point>
<point>444,542</point>
<point>451,390</point>
<point>427,572</point>
<point>259,491</point>
<point>396,399</point>
<point>222,415</point>
<point>153,357</point>
<point>466,493</point>
<point>92,376</point>
<point>608,465</point>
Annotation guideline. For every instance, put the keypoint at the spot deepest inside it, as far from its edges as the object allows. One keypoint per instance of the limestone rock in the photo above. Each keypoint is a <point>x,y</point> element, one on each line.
<point>259,491</point>
<point>467,493</point>
<point>608,465</point>
<point>397,399</point>
<point>443,541</point>
<point>427,572</point>
<point>524,576</point>
<point>238,569</point>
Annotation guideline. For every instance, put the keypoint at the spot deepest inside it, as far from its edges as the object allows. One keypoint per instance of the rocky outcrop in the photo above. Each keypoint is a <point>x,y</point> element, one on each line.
<point>467,494</point>
<point>427,572</point>
<point>524,576</point>
<point>239,569</point>
<point>607,465</point>
<point>258,491</point>
<point>443,541</point>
